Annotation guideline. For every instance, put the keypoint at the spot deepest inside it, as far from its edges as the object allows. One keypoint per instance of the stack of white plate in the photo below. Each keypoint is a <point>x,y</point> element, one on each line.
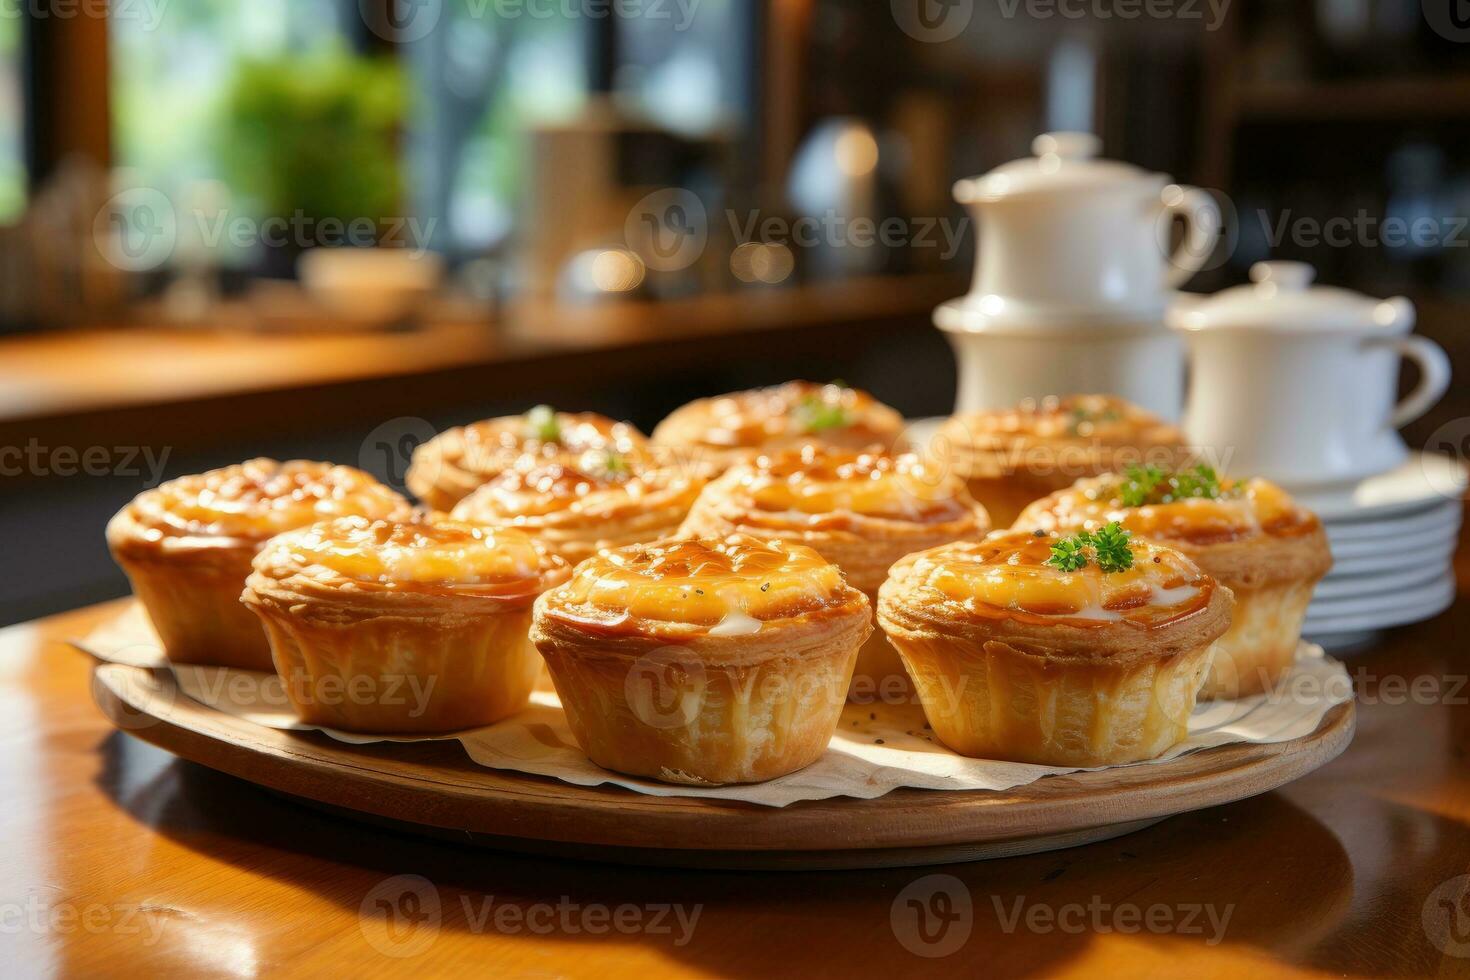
<point>1393,542</point>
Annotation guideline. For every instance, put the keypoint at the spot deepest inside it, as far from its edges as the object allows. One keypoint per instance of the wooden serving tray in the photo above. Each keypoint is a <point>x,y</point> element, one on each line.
<point>432,788</point>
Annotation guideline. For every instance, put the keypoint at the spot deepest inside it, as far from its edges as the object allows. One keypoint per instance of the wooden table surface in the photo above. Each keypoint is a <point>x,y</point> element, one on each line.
<point>118,858</point>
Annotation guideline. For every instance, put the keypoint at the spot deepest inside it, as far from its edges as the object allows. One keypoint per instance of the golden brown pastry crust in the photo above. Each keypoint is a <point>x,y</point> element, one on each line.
<point>860,511</point>
<point>187,546</point>
<point>1011,457</point>
<point>427,605</point>
<point>757,701</point>
<point>1254,539</point>
<point>718,432</point>
<point>576,512</point>
<point>458,461</point>
<point>883,507</point>
<point>1083,668</point>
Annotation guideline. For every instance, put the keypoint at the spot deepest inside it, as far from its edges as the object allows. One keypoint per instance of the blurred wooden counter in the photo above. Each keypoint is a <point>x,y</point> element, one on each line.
<point>190,387</point>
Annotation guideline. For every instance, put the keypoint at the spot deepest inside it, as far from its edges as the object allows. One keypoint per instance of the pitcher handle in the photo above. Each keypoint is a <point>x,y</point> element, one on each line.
<point>1201,216</point>
<point>1434,376</point>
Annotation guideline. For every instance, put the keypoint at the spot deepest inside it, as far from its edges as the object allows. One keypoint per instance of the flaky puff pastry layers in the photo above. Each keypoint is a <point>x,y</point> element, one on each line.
<point>862,511</point>
<point>1010,457</point>
<point>1017,660</point>
<point>419,625</point>
<point>455,463</point>
<point>715,433</point>
<point>703,661</point>
<point>1252,538</point>
<point>187,546</point>
<point>607,501</point>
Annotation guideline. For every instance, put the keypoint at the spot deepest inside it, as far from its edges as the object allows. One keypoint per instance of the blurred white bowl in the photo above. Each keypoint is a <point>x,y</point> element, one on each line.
<point>369,286</point>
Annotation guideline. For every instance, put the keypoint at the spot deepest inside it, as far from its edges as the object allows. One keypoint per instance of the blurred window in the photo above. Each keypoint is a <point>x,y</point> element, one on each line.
<point>482,77</point>
<point>172,72</point>
<point>689,69</point>
<point>12,116</point>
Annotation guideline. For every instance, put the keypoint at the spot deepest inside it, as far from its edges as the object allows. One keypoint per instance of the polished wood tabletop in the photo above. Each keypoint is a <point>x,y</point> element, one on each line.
<point>121,860</point>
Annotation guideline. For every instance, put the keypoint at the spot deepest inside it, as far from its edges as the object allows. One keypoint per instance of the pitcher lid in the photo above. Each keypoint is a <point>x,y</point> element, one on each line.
<point>1281,298</point>
<point>1062,162</point>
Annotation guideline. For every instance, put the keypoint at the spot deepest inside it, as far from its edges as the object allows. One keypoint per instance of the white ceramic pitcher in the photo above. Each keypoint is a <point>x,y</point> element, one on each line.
<point>1298,383</point>
<point>1064,236</point>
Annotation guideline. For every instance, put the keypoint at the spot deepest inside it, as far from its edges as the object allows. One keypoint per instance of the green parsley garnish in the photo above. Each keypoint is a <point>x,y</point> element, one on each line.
<point>1107,546</point>
<point>1110,548</point>
<point>1070,554</point>
<point>816,413</point>
<point>542,424</point>
<point>1150,485</point>
<point>1138,484</point>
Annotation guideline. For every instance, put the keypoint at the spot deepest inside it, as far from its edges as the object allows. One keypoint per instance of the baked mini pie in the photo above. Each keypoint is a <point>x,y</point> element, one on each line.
<point>450,466</point>
<point>703,661</point>
<point>605,501</point>
<point>402,626</point>
<point>1247,534</point>
<point>1056,651</point>
<point>862,511</point>
<point>717,432</point>
<point>187,545</point>
<point>1010,457</point>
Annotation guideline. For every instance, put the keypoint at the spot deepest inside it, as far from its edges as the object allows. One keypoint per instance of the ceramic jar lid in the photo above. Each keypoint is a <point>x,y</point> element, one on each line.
<point>1282,299</point>
<point>1064,162</point>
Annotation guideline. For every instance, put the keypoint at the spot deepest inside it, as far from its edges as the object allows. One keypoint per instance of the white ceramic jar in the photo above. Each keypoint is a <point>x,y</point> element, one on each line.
<point>1066,236</point>
<point>1298,383</point>
<point>1073,274</point>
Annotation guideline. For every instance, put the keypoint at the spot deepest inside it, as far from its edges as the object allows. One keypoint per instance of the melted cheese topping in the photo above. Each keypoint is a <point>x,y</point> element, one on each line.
<point>559,488</point>
<point>817,480</point>
<point>1007,575</point>
<point>493,445</point>
<point>732,585</point>
<point>1245,509</point>
<point>790,413</point>
<point>422,554</point>
<point>260,498</point>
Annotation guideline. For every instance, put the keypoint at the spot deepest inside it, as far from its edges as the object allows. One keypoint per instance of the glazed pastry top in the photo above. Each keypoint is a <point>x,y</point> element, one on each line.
<point>600,483</point>
<point>1096,419</point>
<point>421,555</point>
<point>1009,575</point>
<point>729,586</point>
<point>541,434</point>
<point>825,481</point>
<point>257,499</point>
<point>789,414</point>
<point>1176,508</point>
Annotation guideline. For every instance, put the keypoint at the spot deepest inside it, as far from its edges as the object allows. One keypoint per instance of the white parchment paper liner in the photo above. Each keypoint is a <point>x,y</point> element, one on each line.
<point>877,747</point>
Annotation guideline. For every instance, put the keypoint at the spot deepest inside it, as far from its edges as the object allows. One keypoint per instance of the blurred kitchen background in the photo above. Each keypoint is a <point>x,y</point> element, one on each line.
<point>327,228</point>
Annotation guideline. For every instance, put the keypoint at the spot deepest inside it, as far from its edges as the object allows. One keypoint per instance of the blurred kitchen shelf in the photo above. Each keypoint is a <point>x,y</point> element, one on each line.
<point>197,387</point>
<point>1390,99</point>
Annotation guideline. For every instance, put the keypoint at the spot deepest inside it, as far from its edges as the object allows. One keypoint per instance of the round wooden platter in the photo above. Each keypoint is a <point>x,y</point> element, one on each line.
<point>433,788</point>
